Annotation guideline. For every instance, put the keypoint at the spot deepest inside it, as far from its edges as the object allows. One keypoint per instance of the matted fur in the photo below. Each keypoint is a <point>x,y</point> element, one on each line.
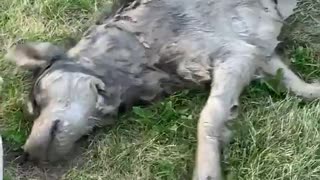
<point>146,50</point>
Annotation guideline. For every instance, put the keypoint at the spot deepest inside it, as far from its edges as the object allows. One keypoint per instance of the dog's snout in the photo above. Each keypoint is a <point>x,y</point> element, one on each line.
<point>39,144</point>
<point>26,157</point>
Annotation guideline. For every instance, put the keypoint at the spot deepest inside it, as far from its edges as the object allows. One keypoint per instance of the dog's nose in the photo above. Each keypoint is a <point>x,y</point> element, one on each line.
<point>25,156</point>
<point>28,156</point>
<point>37,146</point>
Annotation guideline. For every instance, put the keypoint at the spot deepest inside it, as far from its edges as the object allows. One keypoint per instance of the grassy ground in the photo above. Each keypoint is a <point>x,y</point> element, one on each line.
<point>276,136</point>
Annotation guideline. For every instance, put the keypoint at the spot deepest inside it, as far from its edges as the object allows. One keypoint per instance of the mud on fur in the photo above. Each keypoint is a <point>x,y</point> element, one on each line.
<point>149,49</point>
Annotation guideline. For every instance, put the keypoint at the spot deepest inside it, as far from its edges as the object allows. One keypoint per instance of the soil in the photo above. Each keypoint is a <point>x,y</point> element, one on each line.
<point>18,168</point>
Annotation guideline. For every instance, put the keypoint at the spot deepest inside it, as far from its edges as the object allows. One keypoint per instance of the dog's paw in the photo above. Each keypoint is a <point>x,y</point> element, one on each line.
<point>206,175</point>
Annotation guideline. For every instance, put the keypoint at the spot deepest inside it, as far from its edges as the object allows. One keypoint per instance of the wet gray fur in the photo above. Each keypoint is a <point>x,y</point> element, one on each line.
<point>149,49</point>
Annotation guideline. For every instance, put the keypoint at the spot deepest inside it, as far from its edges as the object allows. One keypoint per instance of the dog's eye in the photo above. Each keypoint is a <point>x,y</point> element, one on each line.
<point>275,1</point>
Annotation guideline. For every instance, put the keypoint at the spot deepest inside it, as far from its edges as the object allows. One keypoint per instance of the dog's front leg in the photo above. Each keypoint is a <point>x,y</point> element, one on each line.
<point>230,77</point>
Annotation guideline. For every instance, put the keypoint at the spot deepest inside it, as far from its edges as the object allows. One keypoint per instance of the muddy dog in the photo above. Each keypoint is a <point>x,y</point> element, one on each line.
<point>149,49</point>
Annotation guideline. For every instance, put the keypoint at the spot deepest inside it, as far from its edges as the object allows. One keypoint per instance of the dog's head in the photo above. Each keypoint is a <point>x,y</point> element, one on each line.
<point>66,100</point>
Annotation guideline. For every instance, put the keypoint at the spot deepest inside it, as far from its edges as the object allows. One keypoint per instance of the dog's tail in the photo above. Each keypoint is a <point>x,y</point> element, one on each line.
<point>293,83</point>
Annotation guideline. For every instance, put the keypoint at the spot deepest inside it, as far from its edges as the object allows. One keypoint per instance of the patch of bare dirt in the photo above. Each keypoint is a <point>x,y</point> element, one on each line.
<point>18,168</point>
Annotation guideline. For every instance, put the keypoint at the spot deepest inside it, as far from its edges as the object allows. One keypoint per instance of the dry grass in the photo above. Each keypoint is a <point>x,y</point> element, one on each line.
<point>276,136</point>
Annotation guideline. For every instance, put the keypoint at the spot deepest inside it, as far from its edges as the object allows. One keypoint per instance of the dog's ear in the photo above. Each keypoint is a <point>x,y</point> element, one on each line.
<point>31,56</point>
<point>286,7</point>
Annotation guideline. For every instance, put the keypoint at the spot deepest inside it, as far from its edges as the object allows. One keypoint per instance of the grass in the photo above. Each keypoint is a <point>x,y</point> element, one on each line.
<point>276,136</point>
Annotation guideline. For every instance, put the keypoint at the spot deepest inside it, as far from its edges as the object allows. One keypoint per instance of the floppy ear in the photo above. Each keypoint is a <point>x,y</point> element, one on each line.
<point>32,56</point>
<point>107,104</point>
<point>108,99</point>
<point>286,7</point>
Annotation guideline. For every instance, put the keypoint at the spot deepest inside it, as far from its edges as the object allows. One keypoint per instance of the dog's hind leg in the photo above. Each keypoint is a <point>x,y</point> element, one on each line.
<point>229,79</point>
<point>293,83</point>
